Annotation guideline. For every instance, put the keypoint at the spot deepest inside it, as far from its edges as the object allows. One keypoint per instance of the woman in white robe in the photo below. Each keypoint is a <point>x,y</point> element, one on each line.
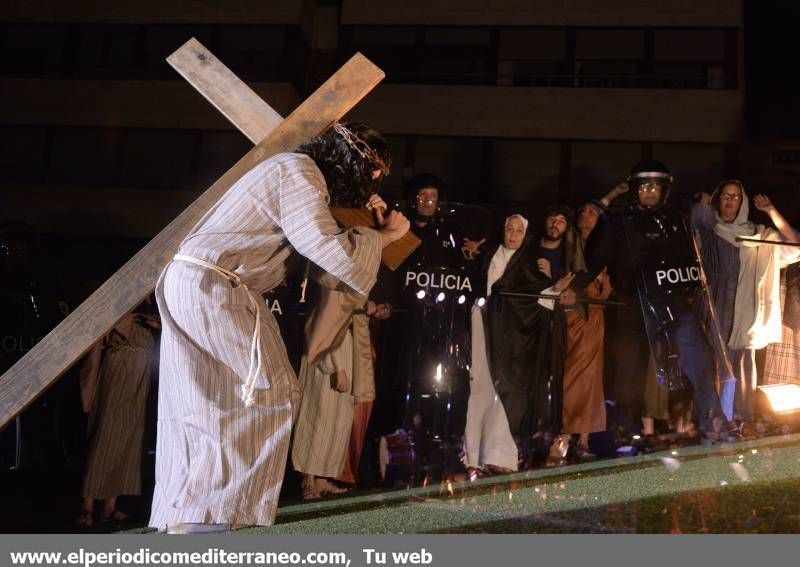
<point>489,445</point>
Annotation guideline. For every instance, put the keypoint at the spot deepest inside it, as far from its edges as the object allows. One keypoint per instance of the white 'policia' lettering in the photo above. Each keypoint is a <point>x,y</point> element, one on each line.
<point>678,275</point>
<point>439,281</point>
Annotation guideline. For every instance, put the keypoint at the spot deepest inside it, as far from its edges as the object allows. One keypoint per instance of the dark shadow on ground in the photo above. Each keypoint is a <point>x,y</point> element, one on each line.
<point>764,508</point>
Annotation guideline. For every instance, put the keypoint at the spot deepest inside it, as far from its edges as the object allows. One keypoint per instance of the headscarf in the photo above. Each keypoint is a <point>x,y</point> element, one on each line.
<point>757,316</point>
<point>741,225</point>
<point>502,257</point>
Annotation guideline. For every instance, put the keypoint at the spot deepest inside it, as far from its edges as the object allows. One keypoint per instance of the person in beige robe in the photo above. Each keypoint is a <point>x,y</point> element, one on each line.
<point>115,379</point>
<point>364,390</point>
<point>584,400</point>
<point>336,379</point>
<point>584,409</point>
<point>227,389</point>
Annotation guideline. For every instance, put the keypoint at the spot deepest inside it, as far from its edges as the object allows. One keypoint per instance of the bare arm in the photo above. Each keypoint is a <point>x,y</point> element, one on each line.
<point>763,203</point>
<point>620,189</point>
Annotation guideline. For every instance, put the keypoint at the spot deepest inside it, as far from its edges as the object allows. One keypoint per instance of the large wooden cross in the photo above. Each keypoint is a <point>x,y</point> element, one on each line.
<point>65,344</point>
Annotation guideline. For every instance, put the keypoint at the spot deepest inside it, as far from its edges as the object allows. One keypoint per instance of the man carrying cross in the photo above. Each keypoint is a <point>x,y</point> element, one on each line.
<point>226,387</point>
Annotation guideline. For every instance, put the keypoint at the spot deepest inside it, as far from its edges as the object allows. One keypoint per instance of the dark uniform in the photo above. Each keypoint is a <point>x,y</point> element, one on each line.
<point>649,255</point>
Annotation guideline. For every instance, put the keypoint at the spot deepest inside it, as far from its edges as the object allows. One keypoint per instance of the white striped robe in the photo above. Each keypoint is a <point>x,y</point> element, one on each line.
<point>218,461</point>
<point>325,421</point>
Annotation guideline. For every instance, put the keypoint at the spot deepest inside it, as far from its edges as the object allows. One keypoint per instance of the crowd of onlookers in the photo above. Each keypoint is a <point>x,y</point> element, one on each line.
<point>626,324</point>
<point>630,325</point>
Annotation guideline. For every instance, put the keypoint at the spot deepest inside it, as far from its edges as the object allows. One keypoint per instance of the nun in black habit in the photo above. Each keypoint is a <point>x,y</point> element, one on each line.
<point>525,337</point>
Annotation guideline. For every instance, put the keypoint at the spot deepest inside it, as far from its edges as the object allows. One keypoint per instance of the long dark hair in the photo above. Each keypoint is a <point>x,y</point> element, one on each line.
<point>348,174</point>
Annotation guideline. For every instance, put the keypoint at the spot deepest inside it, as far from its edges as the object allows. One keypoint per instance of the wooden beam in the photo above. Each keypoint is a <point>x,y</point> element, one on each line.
<point>255,119</point>
<point>235,100</point>
<point>65,344</point>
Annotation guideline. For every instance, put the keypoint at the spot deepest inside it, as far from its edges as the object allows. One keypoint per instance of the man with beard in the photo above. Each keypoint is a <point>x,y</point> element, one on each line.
<point>518,354</point>
<point>584,399</point>
<point>558,249</point>
<point>645,237</point>
<point>227,390</point>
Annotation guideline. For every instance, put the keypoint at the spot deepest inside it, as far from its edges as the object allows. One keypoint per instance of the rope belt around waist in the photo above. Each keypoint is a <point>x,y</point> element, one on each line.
<point>249,386</point>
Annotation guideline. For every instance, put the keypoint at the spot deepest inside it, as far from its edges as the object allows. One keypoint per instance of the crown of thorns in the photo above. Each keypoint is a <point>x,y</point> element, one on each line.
<point>361,147</point>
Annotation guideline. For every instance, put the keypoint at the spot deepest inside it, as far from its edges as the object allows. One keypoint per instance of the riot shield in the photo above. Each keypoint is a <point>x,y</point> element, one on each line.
<point>672,282</point>
<point>665,286</point>
<point>439,286</point>
<point>439,300</point>
<point>669,276</point>
<point>438,297</point>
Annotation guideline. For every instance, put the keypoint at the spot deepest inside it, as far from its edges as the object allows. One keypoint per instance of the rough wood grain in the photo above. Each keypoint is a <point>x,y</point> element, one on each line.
<point>254,118</point>
<point>394,254</point>
<point>57,351</point>
<point>230,95</point>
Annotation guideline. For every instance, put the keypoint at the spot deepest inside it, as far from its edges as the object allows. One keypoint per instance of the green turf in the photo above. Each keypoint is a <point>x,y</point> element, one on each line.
<point>751,487</point>
<point>651,494</point>
<point>772,507</point>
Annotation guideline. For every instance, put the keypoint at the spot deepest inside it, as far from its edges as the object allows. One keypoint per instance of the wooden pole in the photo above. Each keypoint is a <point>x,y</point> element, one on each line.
<point>772,242</point>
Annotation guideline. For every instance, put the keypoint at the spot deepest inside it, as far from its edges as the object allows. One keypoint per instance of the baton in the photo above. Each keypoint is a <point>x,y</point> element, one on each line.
<point>588,300</point>
<point>774,242</point>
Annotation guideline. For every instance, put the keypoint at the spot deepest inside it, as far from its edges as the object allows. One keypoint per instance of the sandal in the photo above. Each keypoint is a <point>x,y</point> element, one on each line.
<point>324,486</point>
<point>310,491</point>
<point>115,516</point>
<point>85,519</point>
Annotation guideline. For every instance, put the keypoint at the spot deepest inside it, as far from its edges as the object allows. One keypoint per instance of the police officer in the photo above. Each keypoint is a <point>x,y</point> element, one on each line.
<point>638,241</point>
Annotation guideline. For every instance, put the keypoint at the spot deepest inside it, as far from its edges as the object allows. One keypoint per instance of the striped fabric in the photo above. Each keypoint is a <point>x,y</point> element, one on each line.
<point>116,422</point>
<point>336,339</point>
<point>782,365</point>
<point>326,415</point>
<point>218,461</point>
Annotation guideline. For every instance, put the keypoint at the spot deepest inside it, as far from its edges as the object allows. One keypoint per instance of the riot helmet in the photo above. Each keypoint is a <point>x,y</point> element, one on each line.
<point>645,180</point>
<point>421,205</point>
